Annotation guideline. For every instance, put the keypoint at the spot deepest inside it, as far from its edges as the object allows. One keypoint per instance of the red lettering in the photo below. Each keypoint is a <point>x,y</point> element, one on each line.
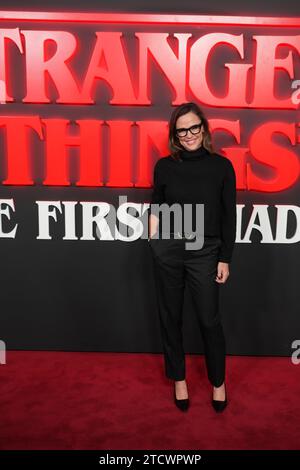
<point>38,67</point>
<point>284,163</point>
<point>58,140</point>
<point>266,64</point>
<point>113,70</point>
<point>14,36</point>
<point>18,156</point>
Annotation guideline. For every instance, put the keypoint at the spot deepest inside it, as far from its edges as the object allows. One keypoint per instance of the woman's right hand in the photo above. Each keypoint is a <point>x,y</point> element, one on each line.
<point>153,224</point>
<point>151,236</point>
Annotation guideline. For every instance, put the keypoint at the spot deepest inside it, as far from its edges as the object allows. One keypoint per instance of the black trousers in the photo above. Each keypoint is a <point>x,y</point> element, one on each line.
<point>174,268</point>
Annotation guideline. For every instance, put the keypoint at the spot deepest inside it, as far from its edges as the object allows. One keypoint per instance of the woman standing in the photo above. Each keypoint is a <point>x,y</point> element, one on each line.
<point>193,174</point>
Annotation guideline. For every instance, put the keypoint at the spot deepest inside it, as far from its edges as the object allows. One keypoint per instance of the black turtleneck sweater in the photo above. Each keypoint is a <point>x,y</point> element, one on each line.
<point>204,178</point>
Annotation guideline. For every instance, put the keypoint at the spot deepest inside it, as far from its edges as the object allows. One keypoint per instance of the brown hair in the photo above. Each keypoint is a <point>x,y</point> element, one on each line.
<point>174,144</point>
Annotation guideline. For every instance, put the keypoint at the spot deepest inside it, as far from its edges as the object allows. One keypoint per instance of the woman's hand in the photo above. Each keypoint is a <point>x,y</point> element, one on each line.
<point>153,225</point>
<point>222,272</point>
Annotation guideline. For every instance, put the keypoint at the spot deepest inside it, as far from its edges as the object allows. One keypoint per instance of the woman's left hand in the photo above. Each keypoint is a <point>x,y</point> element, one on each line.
<point>222,272</point>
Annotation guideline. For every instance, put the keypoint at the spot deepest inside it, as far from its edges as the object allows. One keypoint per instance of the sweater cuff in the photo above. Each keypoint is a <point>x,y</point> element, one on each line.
<point>223,259</point>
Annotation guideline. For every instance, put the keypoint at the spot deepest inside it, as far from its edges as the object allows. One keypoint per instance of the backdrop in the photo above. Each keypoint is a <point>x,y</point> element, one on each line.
<point>86,91</point>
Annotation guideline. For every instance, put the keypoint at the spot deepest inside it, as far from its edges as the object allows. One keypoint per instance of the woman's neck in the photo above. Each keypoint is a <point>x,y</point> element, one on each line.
<point>196,154</point>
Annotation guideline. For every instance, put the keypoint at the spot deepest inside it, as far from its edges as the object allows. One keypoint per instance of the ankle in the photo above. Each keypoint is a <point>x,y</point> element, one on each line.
<point>219,387</point>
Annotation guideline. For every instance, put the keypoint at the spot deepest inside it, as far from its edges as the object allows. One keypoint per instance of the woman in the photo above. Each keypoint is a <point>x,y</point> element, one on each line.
<point>193,174</point>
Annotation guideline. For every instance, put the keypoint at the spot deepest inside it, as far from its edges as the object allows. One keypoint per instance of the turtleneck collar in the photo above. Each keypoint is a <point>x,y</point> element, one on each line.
<point>191,155</point>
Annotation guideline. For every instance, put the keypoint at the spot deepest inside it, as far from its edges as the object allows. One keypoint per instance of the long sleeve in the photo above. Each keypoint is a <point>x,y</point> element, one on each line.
<point>228,215</point>
<point>158,192</point>
<point>158,195</point>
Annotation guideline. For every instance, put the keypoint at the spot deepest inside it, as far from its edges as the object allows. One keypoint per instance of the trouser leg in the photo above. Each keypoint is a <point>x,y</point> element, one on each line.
<point>201,270</point>
<point>169,280</point>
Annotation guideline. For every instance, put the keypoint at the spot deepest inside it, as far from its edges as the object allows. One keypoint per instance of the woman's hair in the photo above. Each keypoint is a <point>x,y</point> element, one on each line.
<point>174,144</point>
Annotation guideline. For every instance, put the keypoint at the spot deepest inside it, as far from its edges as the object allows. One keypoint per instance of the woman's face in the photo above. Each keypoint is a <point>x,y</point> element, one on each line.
<point>190,141</point>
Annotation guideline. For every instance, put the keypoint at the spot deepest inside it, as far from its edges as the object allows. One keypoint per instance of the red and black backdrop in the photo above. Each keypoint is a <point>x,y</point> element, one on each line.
<point>86,91</point>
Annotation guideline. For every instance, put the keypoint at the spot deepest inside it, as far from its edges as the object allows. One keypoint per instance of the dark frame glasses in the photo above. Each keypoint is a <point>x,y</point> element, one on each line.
<point>195,129</point>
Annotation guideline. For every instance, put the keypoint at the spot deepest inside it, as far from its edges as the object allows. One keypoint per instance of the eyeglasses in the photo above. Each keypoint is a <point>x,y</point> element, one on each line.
<point>195,129</point>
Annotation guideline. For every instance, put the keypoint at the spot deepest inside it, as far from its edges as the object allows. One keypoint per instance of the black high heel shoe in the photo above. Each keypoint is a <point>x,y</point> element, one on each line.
<point>183,404</point>
<point>220,405</point>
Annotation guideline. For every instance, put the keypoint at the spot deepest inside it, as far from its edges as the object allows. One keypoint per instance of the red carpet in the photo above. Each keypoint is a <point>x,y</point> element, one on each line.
<point>66,400</point>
